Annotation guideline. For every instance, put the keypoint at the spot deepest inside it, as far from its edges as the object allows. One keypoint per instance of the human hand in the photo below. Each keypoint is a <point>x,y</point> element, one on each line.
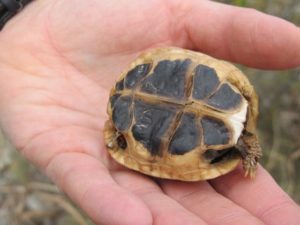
<point>58,60</point>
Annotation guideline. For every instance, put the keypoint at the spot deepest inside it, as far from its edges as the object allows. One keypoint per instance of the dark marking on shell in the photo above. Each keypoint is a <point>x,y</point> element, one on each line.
<point>225,98</point>
<point>151,124</point>
<point>214,131</point>
<point>205,83</point>
<point>135,75</point>
<point>186,137</point>
<point>122,115</point>
<point>168,79</point>
<point>215,156</point>
<point>120,85</point>
<point>113,99</point>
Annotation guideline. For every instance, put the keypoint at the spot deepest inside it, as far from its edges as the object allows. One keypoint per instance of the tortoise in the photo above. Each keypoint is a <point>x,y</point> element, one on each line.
<point>182,115</point>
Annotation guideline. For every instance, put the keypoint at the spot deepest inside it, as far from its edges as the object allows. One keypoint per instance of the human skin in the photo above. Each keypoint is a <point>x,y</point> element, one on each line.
<point>58,61</point>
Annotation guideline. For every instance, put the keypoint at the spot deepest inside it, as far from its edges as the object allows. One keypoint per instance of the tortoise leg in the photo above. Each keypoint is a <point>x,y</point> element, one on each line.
<point>110,135</point>
<point>252,152</point>
<point>113,138</point>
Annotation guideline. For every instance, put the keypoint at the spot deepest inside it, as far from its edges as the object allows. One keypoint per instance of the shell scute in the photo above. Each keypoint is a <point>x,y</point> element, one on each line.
<point>205,82</point>
<point>151,124</point>
<point>225,98</point>
<point>168,79</point>
<point>187,136</point>
<point>122,114</point>
<point>135,75</point>
<point>214,131</point>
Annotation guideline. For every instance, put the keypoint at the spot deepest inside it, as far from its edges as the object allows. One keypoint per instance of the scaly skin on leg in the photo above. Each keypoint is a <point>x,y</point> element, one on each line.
<point>253,153</point>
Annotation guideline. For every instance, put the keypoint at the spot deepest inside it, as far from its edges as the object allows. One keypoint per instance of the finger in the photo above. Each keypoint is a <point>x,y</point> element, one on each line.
<point>89,184</point>
<point>165,211</point>
<point>242,35</point>
<point>204,201</point>
<point>260,196</point>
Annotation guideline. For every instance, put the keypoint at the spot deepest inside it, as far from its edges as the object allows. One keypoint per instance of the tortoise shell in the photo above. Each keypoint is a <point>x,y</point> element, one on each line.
<point>182,115</point>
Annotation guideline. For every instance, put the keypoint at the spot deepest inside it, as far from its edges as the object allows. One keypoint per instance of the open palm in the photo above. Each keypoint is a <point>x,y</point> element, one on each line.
<point>58,60</point>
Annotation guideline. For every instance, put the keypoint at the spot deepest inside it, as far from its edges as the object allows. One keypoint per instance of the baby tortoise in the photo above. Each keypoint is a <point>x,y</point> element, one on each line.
<point>182,115</point>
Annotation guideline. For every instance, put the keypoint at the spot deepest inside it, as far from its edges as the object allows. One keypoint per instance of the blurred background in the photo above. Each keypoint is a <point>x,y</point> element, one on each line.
<point>27,197</point>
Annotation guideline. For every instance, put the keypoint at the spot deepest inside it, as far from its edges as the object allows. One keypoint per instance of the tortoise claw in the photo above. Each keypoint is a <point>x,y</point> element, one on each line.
<point>250,172</point>
<point>250,165</point>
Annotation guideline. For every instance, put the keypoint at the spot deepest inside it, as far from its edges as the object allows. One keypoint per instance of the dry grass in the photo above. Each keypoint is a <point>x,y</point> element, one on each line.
<point>279,125</point>
<point>27,197</point>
